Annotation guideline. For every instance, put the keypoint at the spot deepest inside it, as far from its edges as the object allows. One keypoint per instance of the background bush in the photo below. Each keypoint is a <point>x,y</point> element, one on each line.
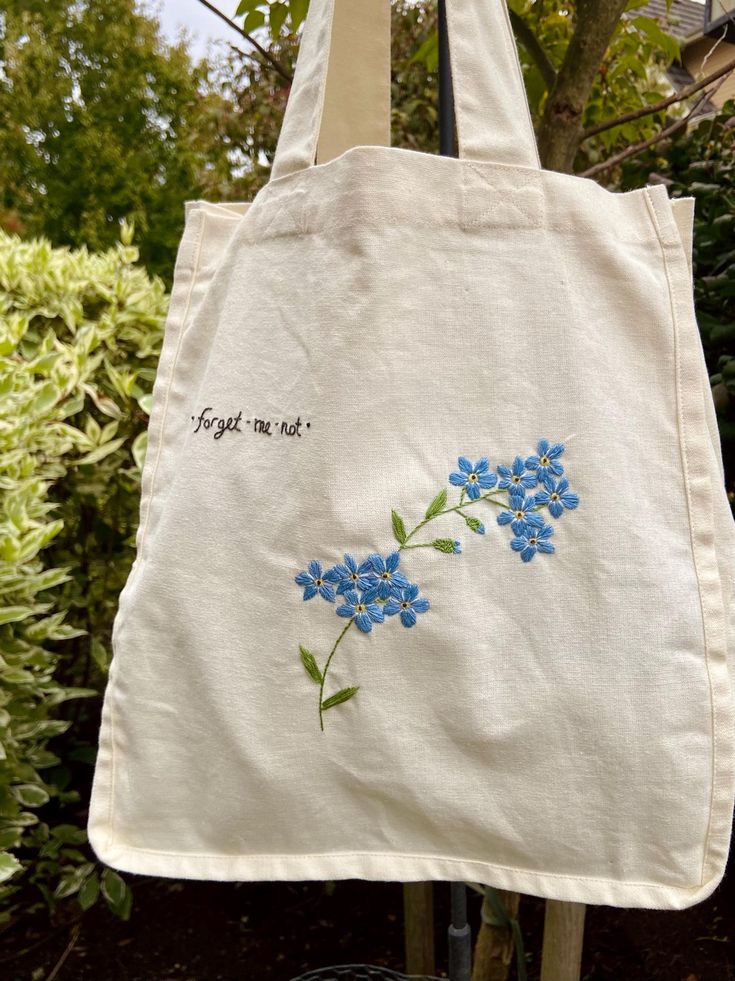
<point>80,336</point>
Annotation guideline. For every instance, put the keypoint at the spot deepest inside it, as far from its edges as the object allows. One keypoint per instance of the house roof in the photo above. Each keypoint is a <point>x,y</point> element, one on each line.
<point>684,19</point>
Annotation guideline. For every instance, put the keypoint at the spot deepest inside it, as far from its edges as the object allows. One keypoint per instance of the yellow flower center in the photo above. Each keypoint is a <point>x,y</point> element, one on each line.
<point>405,605</point>
<point>473,477</point>
<point>319,582</point>
<point>360,607</point>
<point>545,461</point>
<point>533,541</point>
<point>555,497</point>
<point>386,575</point>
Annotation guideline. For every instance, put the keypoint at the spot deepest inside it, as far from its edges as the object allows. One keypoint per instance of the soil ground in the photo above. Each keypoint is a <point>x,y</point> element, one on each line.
<point>202,931</point>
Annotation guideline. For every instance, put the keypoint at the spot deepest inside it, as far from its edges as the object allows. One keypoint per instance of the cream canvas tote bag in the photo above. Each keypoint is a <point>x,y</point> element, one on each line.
<point>434,572</point>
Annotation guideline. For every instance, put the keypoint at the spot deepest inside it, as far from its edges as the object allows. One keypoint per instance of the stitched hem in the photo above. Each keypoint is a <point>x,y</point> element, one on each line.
<point>398,867</point>
<point>694,435</point>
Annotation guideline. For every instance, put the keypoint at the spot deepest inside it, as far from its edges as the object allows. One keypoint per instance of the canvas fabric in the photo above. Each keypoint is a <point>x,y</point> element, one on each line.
<point>560,725</point>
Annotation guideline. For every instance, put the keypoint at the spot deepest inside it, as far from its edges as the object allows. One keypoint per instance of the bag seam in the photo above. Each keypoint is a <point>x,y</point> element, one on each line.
<point>689,494</point>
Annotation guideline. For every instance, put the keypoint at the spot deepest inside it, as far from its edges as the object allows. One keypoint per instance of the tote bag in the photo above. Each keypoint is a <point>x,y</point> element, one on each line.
<point>434,572</point>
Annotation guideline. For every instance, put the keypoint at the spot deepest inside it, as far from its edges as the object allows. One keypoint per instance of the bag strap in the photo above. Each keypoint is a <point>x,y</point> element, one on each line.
<point>493,119</point>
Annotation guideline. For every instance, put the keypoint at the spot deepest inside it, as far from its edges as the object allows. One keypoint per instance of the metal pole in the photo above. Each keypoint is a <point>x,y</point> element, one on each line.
<point>447,146</point>
<point>460,936</point>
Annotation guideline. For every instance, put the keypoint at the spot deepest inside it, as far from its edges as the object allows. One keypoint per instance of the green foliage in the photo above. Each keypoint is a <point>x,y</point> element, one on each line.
<point>80,336</point>
<point>102,121</point>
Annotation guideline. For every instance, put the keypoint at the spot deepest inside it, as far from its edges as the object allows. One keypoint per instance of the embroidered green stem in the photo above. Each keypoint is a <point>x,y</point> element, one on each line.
<point>326,669</point>
<point>458,507</point>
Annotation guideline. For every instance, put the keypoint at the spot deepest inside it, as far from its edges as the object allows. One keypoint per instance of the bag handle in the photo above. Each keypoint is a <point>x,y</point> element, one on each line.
<point>493,118</point>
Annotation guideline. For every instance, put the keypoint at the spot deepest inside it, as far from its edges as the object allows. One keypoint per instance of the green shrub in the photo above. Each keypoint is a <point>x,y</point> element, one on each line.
<point>80,336</point>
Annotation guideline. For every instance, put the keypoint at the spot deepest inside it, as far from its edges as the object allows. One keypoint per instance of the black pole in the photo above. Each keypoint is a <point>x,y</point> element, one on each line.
<point>447,147</point>
<point>460,935</point>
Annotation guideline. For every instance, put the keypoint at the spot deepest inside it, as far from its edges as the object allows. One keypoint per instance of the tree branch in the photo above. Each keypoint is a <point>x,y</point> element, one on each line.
<point>636,148</point>
<point>531,43</point>
<point>679,96</point>
<point>250,39</point>
<point>560,128</point>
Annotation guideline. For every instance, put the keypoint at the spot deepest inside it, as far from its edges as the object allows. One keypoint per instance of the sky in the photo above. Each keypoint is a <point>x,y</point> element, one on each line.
<point>202,25</point>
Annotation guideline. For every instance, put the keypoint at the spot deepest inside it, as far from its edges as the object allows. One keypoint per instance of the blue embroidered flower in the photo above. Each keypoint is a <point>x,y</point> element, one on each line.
<point>363,608</point>
<point>520,513</point>
<point>473,477</point>
<point>557,496</point>
<point>545,462</point>
<point>407,603</point>
<point>516,476</point>
<point>353,576</point>
<point>533,538</point>
<point>315,581</point>
<point>385,575</point>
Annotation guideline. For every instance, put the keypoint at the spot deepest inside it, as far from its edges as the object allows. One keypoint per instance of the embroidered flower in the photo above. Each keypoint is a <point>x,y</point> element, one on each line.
<point>315,581</point>
<point>473,477</point>
<point>545,462</point>
<point>386,577</point>
<point>362,608</point>
<point>407,603</point>
<point>353,576</point>
<point>557,496</point>
<point>533,538</point>
<point>520,513</point>
<point>516,476</point>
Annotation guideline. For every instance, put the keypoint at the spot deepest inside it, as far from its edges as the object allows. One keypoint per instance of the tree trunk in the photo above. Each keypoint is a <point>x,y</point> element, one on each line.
<point>494,951</point>
<point>560,128</point>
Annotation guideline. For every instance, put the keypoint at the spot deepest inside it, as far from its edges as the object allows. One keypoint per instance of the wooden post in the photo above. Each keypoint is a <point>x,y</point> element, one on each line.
<point>495,950</point>
<point>418,919</point>
<point>561,959</point>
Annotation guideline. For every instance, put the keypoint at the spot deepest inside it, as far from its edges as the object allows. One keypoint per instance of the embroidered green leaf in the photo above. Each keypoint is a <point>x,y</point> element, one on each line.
<point>309,662</point>
<point>445,545</point>
<point>339,697</point>
<point>437,505</point>
<point>474,524</point>
<point>399,529</point>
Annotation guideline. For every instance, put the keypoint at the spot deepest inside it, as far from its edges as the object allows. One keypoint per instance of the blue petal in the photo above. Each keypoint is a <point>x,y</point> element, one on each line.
<point>528,553</point>
<point>518,466</point>
<point>421,605</point>
<point>546,547</point>
<point>352,597</point>
<point>518,544</point>
<point>370,595</point>
<point>534,519</point>
<point>344,587</point>
<point>457,548</point>
<point>365,567</point>
<point>504,471</point>
<point>327,592</point>
<point>529,480</point>
<point>465,464</point>
<point>570,500</point>
<point>482,465</point>
<point>383,589</point>
<point>315,568</point>
<point>457,479</point>
<point>398,579</point>
<point>408,618</point>
<point>345,611</point>
<point>303,579</point>
<point>364,622</point>
<point>350,562</point>
<point>562,486</point>
<point>377,563</point>
<point>487,480</point>
<point>543,447</point>
<point>542,497</point>
<point>411,592</point>
<point>333,575</point>
<point>505,517</point>
<point>556,509</point>
<point>392,607</point>
<point>310,591</point>
<point>391,563</point>
<point>532,462</point>
<point>473,491</point>
<point>556,450</point>
<point>555,468</point>
<point>376,613</point>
